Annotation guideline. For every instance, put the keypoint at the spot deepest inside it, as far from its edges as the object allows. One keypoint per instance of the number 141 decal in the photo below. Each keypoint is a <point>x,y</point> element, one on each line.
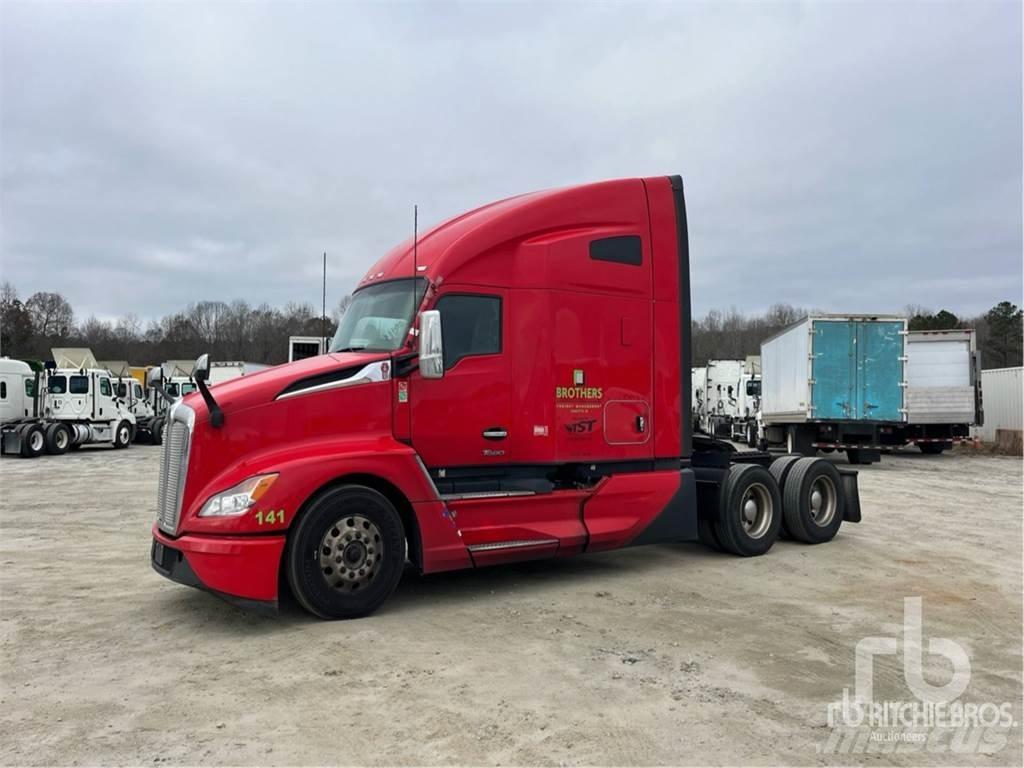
<point>270,518</point>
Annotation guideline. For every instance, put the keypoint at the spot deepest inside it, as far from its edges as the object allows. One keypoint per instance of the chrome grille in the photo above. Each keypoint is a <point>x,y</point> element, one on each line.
<point>173,466</point>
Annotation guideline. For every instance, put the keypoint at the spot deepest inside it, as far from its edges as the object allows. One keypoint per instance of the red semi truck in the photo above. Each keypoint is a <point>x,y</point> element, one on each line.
<point>512,385</point>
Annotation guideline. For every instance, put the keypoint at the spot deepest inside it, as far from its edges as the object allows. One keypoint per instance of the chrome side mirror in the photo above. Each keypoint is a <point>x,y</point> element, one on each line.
<point>154,376</point>
<point>431,345</point>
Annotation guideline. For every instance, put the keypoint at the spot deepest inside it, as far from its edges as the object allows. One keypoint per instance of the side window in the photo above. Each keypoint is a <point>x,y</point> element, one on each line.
<point>79,385</point>
<point>122,389</point>
<point>3,390</point>
<point>105,387</point>
<point>138,391</point>
<point>626,249</point>
<point>470,325</point>
<point>30,388</point>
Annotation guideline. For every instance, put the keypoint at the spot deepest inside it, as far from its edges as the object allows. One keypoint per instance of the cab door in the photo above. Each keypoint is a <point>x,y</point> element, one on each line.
<point>464,418</point>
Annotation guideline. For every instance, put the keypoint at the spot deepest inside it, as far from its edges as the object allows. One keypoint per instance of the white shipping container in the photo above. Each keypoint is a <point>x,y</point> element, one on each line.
<point>941,371</point>
<point>1002,398</point>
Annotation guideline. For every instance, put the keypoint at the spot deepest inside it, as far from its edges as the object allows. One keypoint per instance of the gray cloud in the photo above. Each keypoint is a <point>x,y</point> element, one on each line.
<point>846,156</point>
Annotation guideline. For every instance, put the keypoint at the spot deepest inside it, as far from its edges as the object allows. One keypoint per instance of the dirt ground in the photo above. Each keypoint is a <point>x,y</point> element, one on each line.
<point>655,655</point>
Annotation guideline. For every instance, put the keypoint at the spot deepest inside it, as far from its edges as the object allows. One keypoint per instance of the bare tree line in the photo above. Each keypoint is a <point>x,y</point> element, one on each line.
<point>239,331</point>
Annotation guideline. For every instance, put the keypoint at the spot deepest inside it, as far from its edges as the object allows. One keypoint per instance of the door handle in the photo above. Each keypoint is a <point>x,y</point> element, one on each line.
<point>496,433</point>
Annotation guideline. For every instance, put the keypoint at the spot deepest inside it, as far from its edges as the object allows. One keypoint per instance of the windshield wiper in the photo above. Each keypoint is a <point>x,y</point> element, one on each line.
<point>347,349</point>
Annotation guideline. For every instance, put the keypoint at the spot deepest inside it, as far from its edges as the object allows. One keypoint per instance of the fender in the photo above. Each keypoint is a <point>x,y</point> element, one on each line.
<point>304,469</point>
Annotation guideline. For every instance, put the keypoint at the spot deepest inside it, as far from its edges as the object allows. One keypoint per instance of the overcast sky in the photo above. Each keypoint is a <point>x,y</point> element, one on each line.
<point>849,156</point>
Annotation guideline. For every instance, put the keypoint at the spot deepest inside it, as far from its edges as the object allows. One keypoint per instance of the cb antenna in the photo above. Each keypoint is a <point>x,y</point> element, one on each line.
<point>415,265</point>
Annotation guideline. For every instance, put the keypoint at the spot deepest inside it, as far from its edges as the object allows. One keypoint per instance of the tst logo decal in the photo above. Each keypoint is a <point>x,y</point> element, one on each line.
<point>582,426</point>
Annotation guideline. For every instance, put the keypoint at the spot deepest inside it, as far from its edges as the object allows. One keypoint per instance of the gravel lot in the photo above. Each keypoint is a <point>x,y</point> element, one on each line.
<point>656,655</point>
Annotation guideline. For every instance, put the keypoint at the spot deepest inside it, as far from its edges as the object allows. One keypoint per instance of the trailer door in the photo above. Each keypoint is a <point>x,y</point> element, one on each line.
<point>879,347</point>
<point>833,370</point>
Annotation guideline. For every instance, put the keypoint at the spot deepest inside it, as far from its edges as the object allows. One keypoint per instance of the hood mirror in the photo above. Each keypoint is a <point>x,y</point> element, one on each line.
<point>431,345</point>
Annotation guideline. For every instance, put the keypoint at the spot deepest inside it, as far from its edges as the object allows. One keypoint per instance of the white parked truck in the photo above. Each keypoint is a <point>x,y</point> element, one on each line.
<point>744,426</point>
<point>697,397</point>
<point>721,396</point>
<point>63,410</point>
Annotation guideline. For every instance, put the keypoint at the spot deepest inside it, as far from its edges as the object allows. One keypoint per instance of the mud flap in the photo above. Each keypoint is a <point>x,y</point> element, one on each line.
<point>851,494</point>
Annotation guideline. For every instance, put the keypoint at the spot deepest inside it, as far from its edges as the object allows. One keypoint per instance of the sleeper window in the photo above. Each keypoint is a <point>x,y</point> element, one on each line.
<point>470,325</point>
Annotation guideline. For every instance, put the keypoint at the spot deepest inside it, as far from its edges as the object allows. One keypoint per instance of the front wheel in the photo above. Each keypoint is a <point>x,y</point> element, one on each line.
<point>123,435</point>
<point>346,554</point>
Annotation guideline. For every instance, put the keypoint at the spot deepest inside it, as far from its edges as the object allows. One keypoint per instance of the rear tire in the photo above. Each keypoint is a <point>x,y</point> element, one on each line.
<point>780,470</point>
<point>706,534</point>
<point>346,554</point>
<point>123,435</point>
<point>934,449</point>
<point>751,436</point>
<point>749,511</point>
<point>157,433</point>
<point>813,502</point>
<point>33,441</point>
<point>58,439</point>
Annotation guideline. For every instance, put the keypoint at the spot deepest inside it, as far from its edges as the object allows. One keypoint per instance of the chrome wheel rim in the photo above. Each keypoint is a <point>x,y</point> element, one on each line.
<point>823,501</point>
<point>35,441</point>
<point>61,439</point>
<point>351,553</point>
<point>124,435</point>
<point>756,510</point>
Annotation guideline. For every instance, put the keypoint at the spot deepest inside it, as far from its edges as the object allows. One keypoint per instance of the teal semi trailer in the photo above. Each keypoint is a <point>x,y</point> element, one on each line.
<point>835,382</point>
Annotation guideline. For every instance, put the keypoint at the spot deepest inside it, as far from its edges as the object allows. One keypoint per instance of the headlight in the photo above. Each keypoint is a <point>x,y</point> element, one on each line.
<point>235,501</point>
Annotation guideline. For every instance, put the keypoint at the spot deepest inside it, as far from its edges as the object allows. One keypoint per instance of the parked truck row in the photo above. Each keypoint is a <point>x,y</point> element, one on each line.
<point>855,383</point>
<point>75,400</point>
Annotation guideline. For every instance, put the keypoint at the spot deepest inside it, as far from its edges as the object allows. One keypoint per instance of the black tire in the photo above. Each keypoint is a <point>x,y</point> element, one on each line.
<point>123,434</point>
<point>799,440</point>
<point>934,449</point>
<point>707,536</point>
<point>157,433</point>
<point>751,436</point>
<point>321,589</point>
<point>809,520</point>
<point>780,470</point>
<point>74,447</point>
<point>33,441</point>
<point>743,485</point>
<point>58,439</point>
<point>861,456</point>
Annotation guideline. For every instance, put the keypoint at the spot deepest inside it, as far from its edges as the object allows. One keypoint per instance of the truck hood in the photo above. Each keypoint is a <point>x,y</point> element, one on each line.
<point>262,387</point>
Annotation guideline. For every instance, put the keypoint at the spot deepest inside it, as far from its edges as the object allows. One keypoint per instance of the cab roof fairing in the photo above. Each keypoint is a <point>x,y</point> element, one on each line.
<point>442,250</point>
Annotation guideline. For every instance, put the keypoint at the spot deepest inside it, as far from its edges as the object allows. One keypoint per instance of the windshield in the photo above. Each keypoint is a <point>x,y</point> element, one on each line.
<point>187,387</point>
<point>379,317</point>
<point>172,389</point>
<point>58,385</point>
